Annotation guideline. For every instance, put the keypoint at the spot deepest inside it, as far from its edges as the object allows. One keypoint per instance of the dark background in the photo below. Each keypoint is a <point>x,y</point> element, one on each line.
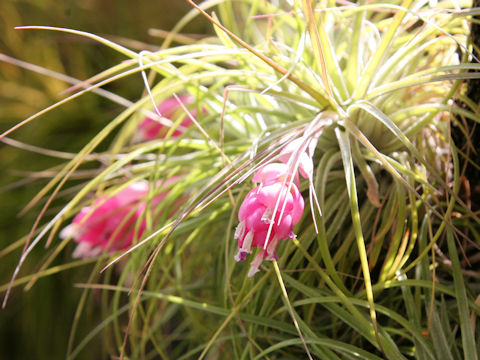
<point>36,324</point>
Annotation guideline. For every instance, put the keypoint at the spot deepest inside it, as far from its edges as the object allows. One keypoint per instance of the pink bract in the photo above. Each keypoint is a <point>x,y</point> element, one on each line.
<point>273,172</point>
<point>275,205</point>
<point>111,224</point>
<point>149,129</point>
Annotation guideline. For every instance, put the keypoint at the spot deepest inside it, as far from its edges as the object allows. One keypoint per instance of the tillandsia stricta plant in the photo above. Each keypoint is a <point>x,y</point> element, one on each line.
<point>340,112</point>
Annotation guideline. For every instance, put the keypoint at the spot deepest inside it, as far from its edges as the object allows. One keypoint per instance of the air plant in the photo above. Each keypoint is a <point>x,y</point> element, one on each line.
<point>358,99</point>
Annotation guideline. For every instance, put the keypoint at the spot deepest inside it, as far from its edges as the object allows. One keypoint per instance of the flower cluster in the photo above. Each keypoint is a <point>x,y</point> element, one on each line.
<point>150,129</point>
<point>111,223</point>
<point>270,210</point>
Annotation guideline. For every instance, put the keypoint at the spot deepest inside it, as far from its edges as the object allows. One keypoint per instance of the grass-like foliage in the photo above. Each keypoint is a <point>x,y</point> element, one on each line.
<point>385,261</point>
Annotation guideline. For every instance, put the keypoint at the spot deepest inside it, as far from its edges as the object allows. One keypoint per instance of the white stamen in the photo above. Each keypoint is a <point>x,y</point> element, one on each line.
<point>260,186</point>
<point>267,216</point>
<point>255,264</point>
<point>240,230</point>
<point>84,251</point>
<point>69,231</point>
<point>238,256</point>
<point>271,247</point>
<point>247,242</point>
<point>253,270</point>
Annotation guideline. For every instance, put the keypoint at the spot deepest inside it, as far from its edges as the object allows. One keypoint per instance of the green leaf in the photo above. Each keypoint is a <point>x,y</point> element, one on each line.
<point>468,337</point>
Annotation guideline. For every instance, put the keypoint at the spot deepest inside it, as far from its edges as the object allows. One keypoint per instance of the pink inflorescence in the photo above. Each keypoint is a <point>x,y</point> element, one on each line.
<point>111,223</point>
<point>268,213</point>
<point>150,129</point>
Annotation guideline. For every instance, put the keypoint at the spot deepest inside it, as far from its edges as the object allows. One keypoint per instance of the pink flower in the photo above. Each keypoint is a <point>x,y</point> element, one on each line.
<point>149,129</point>
<point>111,224</point>
<point>268,214</point>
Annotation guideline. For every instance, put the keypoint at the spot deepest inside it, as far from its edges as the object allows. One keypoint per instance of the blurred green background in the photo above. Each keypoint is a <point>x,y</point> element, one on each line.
<point>36,324</point>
